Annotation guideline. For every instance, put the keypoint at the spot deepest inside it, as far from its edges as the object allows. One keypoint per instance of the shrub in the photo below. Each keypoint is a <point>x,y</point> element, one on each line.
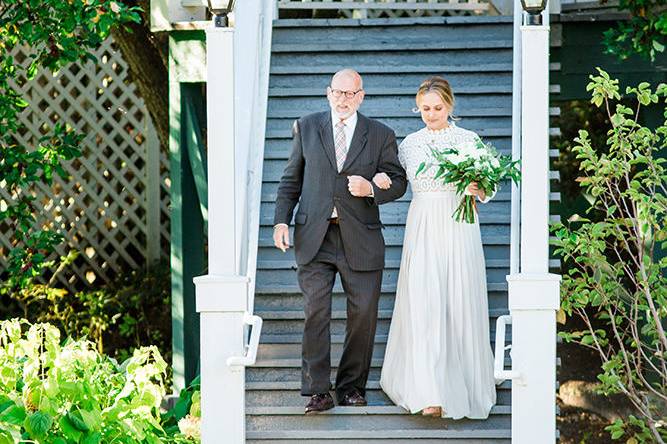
<point>70,393</point>
<point>615,275</point>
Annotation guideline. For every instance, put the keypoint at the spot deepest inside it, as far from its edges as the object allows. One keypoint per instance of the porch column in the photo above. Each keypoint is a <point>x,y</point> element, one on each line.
<point>222,294</point>
<point>534,293</point>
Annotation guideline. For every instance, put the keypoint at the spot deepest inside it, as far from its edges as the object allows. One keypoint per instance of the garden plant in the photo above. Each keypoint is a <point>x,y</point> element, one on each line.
<point>614,257</point>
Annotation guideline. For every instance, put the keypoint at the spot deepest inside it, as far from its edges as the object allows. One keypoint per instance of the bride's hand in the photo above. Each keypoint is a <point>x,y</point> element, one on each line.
<point>382,181</point>
<point>476,191</point>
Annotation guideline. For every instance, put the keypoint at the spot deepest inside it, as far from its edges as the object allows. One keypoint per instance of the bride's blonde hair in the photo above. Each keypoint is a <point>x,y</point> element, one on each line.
<point>439,86</point>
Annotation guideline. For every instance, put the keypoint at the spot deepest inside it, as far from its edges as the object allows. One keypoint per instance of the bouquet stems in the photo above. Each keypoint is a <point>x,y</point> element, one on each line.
<point>466,210</point>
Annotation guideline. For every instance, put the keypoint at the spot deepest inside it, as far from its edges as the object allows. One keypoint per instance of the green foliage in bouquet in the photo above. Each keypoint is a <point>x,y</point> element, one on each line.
<point>472,162</point>
<point>54,33</point>
<point>615,278</point>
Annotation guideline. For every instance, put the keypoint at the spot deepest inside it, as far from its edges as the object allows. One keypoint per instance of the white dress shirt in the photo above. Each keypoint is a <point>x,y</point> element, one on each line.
<point>350,126</point>
<point>348,129</point>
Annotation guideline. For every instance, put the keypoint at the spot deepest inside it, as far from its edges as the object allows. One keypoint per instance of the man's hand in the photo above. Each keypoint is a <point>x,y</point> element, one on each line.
<point>358,186</point>
<point>281,237</point>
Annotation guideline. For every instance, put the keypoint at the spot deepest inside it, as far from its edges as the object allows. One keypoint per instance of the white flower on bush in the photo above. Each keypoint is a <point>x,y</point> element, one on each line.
<point>494,162</point>
<point>190,426</point>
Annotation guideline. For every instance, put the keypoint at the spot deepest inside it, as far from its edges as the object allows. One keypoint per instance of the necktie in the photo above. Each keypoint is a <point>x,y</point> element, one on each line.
<point>340,144</point>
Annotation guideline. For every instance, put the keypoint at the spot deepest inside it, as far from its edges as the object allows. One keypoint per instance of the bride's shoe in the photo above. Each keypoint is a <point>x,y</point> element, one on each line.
<point>436,412</point>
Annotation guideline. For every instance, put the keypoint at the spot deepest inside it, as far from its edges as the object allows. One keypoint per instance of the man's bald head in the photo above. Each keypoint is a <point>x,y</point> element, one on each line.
<point>350,74</point>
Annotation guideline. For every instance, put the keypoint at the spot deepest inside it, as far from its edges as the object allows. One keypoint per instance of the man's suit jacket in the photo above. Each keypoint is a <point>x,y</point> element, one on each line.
<point>312,180</point>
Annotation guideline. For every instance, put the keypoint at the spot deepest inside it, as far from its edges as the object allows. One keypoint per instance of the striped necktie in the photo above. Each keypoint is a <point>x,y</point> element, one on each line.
<point>340,144</point>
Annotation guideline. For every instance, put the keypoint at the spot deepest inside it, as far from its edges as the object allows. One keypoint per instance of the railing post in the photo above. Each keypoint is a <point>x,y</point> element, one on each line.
<point>534,293</point>
<point>533,302</point>
<point>222,294</point>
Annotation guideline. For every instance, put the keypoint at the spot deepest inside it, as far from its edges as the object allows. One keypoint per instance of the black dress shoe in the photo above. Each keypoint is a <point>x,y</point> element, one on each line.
<point>319,403</point>
<point>353,398</point>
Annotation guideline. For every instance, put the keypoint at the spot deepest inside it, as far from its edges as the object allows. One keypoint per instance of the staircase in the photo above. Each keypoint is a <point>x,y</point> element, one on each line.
<point>393,56</point>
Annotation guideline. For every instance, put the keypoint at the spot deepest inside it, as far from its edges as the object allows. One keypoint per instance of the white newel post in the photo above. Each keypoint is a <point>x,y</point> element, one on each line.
<point>534,293</point>
<point>222,294</point>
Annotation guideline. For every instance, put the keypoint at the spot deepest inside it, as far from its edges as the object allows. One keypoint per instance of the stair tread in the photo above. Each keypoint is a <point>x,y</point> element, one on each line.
<point>402,21</point>
<point>294,288</point>
<point>384,91</point>
<point>401,45</point>
<point>380,434</point>
<point>335,358</point>
<point>288,264</point>
<point>367,410</point>
<point>427,69</point>
<point>506,132</point>
<point>289,338</point>
<point>296,385</point>
<point>374,113</point>
<point>340,314</point>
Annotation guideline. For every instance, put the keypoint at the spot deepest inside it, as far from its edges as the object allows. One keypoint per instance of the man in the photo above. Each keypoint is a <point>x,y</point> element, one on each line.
<point>335,155</point>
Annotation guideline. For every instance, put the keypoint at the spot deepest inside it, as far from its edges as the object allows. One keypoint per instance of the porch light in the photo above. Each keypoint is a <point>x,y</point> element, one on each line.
<point>534,9</point>
<point>220,10</point>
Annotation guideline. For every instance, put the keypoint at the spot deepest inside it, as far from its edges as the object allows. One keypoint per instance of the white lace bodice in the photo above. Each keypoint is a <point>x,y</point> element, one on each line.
<point>415,149</point>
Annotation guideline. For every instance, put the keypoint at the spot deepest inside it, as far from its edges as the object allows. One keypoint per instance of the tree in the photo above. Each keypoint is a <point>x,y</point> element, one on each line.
<point>645,33</point>
<point>147,55</point>
<point>57,33</point>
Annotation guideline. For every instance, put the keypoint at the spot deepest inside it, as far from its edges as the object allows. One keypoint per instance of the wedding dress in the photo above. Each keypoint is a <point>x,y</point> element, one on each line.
<point>438,351</point>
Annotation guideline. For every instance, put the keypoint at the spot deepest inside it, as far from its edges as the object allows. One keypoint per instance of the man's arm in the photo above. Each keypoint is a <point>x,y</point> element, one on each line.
<point>390,165</point>
<point>289,189</point>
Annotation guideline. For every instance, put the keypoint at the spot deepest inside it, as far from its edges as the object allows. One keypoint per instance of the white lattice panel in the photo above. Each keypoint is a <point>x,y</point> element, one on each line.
<point>103,209</point>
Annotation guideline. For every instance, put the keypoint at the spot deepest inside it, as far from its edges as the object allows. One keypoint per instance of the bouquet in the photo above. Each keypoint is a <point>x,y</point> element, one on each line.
<point>474,161</point>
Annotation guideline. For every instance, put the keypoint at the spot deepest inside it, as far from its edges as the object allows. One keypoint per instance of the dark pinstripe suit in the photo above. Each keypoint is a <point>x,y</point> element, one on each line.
<point>354,248</point>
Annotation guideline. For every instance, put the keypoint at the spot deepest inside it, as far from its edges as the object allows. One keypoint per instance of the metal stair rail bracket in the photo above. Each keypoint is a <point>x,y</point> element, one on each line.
<point>236,362</point>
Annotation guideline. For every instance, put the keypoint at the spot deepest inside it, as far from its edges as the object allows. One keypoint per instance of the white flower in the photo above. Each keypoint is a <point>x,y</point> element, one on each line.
<point>456,158</point>
<point>469,149</point>
<point>494,162</point>
<point>190,426</point>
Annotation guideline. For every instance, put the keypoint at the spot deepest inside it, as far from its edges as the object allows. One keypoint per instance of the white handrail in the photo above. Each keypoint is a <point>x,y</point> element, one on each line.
<point>251,350</point>
<point>256,151</point>
<point>499,372</point>
<point>515,220</point>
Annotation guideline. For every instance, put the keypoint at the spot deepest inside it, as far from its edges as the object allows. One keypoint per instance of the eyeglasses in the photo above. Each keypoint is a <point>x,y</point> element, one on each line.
<point>348,94</point>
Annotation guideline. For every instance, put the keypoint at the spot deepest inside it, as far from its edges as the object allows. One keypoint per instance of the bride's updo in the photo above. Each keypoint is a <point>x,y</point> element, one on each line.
<point>439,86</point>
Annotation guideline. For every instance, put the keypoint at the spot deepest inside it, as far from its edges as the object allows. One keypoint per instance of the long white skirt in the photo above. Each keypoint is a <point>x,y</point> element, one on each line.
<point>439,351</point>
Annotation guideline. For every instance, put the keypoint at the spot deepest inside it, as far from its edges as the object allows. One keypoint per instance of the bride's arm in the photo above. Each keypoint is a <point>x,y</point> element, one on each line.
<point>487,198</point>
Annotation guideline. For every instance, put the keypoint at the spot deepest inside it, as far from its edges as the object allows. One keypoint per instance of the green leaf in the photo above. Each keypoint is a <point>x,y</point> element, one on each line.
<point>69,429</point>
<point>658,46</point>
<point>38,424</point>
<point>77,421</point>
<point>92,438</point>
<point>6,437</point>
<point>92,419</point>
<point>13,415</point>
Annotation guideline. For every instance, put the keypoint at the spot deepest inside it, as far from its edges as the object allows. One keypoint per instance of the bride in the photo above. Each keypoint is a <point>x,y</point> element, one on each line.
<point>438,359</point>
